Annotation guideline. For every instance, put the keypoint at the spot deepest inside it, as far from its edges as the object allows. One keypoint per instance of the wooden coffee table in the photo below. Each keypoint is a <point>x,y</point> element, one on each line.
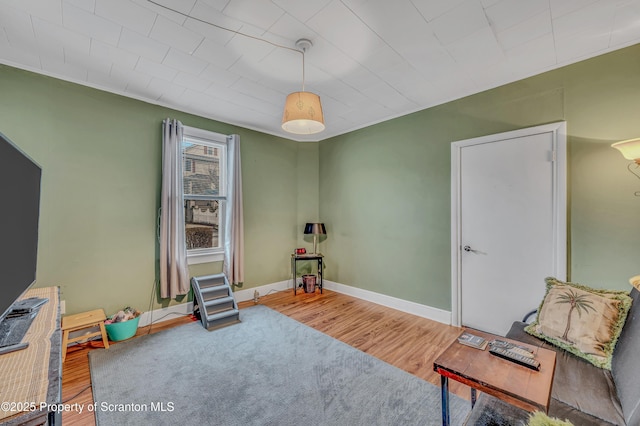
<point>517,385</point>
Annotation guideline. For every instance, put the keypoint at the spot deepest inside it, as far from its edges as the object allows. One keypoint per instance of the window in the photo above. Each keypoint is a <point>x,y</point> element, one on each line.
<point>205,193</point>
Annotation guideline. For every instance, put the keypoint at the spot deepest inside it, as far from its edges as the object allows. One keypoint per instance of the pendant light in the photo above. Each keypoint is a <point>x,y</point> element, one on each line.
<point>302,110</point>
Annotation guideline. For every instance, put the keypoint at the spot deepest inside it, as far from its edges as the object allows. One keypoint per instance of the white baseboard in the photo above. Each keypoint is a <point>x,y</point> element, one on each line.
<point>263,290</point>
<point>157,315</point>
<point>165,314</point>
<point>413,308</point>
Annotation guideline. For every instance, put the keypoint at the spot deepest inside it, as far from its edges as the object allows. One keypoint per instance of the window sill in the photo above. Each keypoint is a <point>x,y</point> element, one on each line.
<point>196,258</point>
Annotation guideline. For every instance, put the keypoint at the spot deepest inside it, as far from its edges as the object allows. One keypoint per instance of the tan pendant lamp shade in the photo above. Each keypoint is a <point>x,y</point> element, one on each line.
<point>303,114</point>
<point>302,110</point>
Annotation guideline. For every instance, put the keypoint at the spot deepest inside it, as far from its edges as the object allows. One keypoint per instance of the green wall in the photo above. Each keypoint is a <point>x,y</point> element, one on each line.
<point>385,189</point>
<point>101,159</point>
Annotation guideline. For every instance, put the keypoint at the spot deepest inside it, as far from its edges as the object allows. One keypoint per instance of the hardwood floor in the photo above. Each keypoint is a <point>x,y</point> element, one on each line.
<point>403,340</point>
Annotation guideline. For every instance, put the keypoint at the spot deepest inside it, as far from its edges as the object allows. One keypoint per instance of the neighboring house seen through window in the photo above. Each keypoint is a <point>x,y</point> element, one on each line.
<point>204,159</point>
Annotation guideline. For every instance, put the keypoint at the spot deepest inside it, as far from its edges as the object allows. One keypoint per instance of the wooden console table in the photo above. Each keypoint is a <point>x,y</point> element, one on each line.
<point>517,385</point>
<point>31,378</point>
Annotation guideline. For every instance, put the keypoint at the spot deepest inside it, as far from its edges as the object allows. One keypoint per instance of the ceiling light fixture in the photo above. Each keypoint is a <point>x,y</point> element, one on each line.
<point>302,110</point>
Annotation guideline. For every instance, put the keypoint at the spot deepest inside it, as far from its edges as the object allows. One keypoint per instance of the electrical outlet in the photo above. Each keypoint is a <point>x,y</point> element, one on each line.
<point>63,307</point>
<point>256,296</point>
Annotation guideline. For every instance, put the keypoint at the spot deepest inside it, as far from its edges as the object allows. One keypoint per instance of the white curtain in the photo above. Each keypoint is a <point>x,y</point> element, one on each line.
<point>174,279</point>
<point>234,222</point>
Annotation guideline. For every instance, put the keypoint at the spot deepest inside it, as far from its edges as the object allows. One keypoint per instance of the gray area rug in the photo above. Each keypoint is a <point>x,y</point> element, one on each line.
<point>267,370</point>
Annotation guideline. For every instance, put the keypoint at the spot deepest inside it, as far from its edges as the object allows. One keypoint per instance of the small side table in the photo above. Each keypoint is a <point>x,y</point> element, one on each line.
<point>79,322</point>
<point>519,386</point>
<point>295,258</point>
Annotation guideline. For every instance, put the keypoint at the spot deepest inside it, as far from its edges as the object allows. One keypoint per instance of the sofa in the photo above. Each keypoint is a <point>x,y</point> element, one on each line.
<point>582,393</point>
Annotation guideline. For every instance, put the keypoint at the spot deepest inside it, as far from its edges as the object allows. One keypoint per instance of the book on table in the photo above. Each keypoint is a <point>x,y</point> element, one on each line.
<point>473,340</point>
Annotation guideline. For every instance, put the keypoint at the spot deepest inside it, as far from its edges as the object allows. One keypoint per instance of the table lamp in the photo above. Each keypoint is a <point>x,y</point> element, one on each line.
<point>315,229</point>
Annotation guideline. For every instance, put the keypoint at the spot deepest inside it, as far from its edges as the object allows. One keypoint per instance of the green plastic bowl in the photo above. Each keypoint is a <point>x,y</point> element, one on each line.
<point>122,330</point>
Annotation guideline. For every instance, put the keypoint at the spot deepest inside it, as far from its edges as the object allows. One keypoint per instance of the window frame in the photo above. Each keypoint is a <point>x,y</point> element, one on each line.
<point>211,140</point>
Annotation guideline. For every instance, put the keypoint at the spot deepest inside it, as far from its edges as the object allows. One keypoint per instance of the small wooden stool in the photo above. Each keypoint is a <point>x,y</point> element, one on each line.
<point>80,321</point>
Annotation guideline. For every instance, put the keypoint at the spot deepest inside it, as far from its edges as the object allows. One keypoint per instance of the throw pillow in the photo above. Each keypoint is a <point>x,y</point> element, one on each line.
<point>581,320</point>
<point>541,419</point>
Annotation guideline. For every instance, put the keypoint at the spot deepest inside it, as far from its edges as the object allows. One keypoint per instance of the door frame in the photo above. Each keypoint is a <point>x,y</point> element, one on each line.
<point>559,194</point>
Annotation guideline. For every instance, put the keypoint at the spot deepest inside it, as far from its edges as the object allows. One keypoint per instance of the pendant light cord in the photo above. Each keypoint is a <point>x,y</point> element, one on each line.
<point>227,29</point>
<point>302,46</point>
<point>303,67</point>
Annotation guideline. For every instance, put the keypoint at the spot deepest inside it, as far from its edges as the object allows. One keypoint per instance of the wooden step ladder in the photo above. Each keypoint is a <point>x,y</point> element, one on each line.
<point>215,302</point>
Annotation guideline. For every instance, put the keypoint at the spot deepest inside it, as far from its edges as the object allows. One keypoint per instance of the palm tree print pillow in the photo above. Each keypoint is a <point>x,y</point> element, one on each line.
<point>581,320</point>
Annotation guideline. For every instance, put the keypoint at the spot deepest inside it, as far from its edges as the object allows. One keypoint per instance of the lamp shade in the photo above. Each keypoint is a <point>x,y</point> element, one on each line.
<point>630,149</point>
<point>303,114</point>
<point>315,228</point>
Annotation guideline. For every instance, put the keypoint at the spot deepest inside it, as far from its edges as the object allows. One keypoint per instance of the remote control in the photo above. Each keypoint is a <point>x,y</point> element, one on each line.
<point>525,361</point>
<point>516,349</point>
<point>27,305</point>
<point>509,345</point>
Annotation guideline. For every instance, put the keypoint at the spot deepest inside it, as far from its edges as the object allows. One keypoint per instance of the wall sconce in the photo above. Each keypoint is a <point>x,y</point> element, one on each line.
<point>630,150</point>
<point>315,229</point>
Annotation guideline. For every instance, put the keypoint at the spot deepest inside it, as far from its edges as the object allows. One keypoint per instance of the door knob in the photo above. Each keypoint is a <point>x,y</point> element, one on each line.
<point>468,249</point>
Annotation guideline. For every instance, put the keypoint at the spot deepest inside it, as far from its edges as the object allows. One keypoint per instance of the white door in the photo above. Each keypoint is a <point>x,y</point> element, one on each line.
<point>508,224</point>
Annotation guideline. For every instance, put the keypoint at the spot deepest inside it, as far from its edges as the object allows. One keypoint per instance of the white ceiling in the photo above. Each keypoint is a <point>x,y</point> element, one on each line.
<point>372,60</point>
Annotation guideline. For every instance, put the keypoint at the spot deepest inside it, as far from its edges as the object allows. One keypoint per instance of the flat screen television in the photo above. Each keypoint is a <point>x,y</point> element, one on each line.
<point>19,213</point>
